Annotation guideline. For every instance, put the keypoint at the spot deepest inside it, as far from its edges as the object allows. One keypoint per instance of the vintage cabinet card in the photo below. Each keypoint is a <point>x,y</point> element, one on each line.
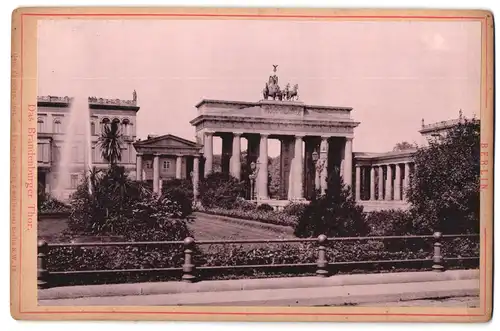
<point>251,164</point>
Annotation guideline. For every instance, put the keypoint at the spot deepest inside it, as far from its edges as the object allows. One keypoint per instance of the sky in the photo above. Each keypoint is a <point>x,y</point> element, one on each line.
<point>392,74</point>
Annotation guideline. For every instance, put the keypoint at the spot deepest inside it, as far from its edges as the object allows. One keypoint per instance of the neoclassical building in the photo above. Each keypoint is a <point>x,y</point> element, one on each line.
<point>315,141</point>
<point>52,130</point>
<point>160,158</point>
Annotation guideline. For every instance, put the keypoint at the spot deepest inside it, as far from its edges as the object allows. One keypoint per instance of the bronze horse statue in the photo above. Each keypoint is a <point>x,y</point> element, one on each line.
<point>272,89</point>
<point>292,94</point>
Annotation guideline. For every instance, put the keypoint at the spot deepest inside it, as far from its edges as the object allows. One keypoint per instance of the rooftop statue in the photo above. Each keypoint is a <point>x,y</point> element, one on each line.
<point>272,89</point>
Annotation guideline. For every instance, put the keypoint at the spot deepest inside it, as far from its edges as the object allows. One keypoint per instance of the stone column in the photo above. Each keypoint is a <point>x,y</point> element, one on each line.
<point>323,158</point>
<point>358,183</point>
<point>397,182</point>
<point>138,166</point>
<point>298,178</point>
<point>262,176</point>
<point>235,163</point>
<point>388,183</point>
<point>406,182</point>
<point>380,182</point>
<point>348,162</point>
<point>156,173</point>
<point>372,183</point>
<point>208,152</point>
<point>196,176</point>
<point>178,167</point>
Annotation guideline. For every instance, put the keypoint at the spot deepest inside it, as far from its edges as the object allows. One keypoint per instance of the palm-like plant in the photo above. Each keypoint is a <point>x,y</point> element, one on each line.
<point>110,143</point>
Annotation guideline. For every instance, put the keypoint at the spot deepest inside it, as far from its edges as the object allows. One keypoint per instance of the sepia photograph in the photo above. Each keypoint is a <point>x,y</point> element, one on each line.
<point>259,162</point>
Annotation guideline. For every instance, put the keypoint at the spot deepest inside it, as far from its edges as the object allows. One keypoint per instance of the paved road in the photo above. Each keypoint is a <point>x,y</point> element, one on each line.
<point>367,295</point>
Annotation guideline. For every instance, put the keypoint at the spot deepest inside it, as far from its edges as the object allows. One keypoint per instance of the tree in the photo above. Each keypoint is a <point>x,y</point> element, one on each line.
<point>404,145</point>
<point>333,214</point>
<point>444,188</point>
<point>110,143</point>
<point>221,190</point>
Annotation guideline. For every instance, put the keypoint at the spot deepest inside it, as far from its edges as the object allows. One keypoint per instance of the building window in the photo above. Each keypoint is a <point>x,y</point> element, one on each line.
<point>166,164</point>
<point>57,126</point>
<point>74,181</point>
<point>125,126</point>
<point>92,128</point>
<point>148,165</point>
<point>40,127</point>
<point>105,122</point>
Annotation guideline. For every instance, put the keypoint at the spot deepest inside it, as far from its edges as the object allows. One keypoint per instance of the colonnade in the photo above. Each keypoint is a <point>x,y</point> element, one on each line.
<point>178,169</point>
<point>388,182</point>
<point>297,163</point>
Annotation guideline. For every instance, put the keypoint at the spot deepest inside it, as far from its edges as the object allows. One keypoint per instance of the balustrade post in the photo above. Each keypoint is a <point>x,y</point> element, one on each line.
<point>42,272</point>
<point>437,258</point>
<point>322,262</point>
<point>188,267</point>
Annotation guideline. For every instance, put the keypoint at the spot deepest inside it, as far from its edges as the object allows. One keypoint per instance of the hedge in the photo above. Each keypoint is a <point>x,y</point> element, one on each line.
<point>129,257</point>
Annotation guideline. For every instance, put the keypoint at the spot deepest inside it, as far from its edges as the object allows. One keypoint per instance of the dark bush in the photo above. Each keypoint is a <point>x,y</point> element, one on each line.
<point>390,223</point>
<point>245,205</point>
<point>109,205</point>
<point>265,207</point>
<point>180,191</point>
<point>294,209</point>
<point>334,214</point>
<point>221,190</point>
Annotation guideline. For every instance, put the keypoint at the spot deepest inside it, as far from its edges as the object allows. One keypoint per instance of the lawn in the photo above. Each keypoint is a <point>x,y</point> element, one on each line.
<point>211,227</point>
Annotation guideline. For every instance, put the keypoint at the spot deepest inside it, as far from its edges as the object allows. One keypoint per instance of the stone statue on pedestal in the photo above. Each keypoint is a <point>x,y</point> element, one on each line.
<point>134,96</point>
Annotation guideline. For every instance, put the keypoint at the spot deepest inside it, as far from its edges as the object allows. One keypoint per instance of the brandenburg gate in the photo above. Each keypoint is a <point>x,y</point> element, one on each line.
<point>315,140</point>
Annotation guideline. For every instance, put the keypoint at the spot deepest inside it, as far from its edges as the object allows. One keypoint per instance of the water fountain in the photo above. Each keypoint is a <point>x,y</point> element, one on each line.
<point>76,139</point>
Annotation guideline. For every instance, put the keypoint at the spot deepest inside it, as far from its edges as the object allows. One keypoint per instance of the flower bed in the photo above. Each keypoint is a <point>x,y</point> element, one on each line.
<point>270,217</point>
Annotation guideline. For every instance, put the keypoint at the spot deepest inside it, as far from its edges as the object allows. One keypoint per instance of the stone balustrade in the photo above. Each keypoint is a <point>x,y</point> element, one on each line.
<point>91,100</point>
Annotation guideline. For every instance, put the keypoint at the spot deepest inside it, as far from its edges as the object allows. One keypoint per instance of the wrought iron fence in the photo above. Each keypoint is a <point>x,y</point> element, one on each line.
<point>188,268</point>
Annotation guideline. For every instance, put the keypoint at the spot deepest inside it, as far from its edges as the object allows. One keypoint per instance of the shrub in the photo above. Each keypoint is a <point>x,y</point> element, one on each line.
<point>390,223</point>
<point>119,206</point>
<point>294,209</point>
<point>244,205</point>
<point>334,214</point>
<point>49,204</point>
<point>220,190</point>
<point>265,207</point>
<point>180,191</point>
<point>111,199</point>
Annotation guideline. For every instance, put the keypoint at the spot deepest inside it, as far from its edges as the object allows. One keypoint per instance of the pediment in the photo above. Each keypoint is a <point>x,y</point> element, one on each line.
<point>167,141</point>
